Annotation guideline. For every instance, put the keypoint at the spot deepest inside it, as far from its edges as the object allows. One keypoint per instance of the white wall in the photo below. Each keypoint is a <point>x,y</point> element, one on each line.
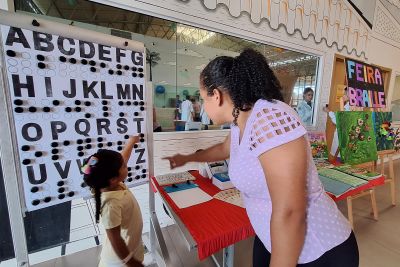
<point>367,7</point>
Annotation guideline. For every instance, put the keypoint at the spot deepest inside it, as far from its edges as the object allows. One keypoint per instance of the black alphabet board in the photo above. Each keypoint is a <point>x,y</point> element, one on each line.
<point>70,98</point>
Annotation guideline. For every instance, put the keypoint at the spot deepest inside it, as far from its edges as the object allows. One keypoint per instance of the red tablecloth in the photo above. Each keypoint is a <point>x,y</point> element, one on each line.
<point>370,184</point>
<point>214,224</point>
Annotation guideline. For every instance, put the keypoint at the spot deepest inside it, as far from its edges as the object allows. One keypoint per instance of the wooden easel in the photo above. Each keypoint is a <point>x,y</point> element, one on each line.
<point>372,166</point>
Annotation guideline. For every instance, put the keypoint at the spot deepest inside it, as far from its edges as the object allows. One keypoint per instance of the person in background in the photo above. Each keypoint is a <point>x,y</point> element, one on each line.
<point>305,108</point>
<point>178,104</point>
<point>346,107</point>
<point>104,172</point>
<point>156,125</point>
<point>205,120</point>
<point>295,221</point>
<point>187,110</point>
<point>196,109</point>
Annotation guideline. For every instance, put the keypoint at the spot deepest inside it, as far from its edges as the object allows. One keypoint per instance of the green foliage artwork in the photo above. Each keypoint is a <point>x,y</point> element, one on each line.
<point>384,132</point>
<point>357,142</point>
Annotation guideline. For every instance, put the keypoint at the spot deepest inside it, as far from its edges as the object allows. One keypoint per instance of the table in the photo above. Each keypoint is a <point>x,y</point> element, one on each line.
<point>210,226</point>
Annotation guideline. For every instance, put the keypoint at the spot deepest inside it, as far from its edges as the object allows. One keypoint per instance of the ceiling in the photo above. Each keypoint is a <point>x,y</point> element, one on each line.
<point>191,47</point>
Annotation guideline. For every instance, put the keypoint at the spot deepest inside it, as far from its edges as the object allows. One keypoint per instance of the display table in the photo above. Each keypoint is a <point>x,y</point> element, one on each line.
<point>210,226</point>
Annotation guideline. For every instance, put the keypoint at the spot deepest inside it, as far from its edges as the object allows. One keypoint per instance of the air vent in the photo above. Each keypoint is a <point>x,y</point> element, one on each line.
<point>122,34</point>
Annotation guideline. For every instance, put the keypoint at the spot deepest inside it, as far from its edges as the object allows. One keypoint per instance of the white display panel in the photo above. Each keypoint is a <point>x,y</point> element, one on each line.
<point>68,98</point>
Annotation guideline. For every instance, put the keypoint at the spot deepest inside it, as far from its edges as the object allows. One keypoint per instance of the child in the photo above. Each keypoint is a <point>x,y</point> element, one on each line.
<point>104,172</point>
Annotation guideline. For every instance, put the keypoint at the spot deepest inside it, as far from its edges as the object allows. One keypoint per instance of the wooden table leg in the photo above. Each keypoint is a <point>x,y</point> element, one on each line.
<point>373,204</point>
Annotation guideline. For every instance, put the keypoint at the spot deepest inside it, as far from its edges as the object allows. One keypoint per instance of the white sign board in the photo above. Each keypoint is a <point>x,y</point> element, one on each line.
<point>69,98</point>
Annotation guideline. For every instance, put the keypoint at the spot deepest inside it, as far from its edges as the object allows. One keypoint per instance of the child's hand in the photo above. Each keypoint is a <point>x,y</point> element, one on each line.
<point>134,139</point>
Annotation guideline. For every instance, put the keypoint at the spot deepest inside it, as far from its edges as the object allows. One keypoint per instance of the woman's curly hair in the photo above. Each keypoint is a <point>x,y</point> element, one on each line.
<point>246,78</point>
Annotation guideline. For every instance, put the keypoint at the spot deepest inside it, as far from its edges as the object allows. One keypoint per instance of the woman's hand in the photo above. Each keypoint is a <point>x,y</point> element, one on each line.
<point>177,160</point>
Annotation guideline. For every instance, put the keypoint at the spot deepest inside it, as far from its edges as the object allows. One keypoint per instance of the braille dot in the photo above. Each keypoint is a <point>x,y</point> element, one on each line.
<point>56,102</point>
<point>99,139</point>
<point>137,177</point>
<point>60,183</point>
<point>141,140</point>
<point>144,175</point>
<point>38,154</point>
<point>47,199</point>
<point>141,135</point>
<point>26,161</point>
<point>78,102</point>
<point>119,66</point>
<point>55,157</point>
<point>61,196</point>
<point>141,103</point>
<point>129,180</point>
<point>93,69</point>
<point>137,167</point>
<point>134,74</point>
<point>71,194</point>
<point>83,184</point>
<point>88,146</point>
<point>121,114</point>
<point>134,69</point>
<point>87,103</point>
<point>41,65</point>
<point>126,67</point>
<point>46,109</point>
<point>84,61</point>
<point>121,103</point>
<point>109,144</point>
<point>79,148</point>
<point>136,113</point>
<point>135,103</point>
<point>140,69</point>
<point>62,59</point>
<point>80,154</point>
<point>141,108</point>
<point>54,144</point>
<point>40,57</point>
<point>144,171</point>
<point>54,151</point>
<point>105,114</point>
<point>129,174</point>
<point>19,110</point>
<point>128,103</point>
<point>78,109</point>
<point>135,146</point>
<point>126,136</point>
<point>66,143</point>
<point>35,202</point>
<point>72,60</point>
<point>34,189</point>
<point>61,190</point>
<point>25,148</point>
<point>92,63</point>
<point>119,148</point>
<point>11,53</point>
<point>119,72</point>
<point>129,168</point>
<point>100,145</point>
<point>141,75</point>
<point>102,64</point>
<point>111,72</point>
<point>104,102</point>
<point>88,140</point>
<point>18,102</point>
<point>119,143</point>
<point>68,109</point>
<point>105,108</point>
<point>79,141</point>
<point>32,109</point>
<point>87,115</point>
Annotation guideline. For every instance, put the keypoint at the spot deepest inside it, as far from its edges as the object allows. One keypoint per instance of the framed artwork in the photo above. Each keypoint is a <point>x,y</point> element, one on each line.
<point>384,132</point>
<point>357,142</point>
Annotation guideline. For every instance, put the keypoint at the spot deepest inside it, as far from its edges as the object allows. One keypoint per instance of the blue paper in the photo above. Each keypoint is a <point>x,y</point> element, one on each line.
<point>223,176</point>
<point>179,187</point>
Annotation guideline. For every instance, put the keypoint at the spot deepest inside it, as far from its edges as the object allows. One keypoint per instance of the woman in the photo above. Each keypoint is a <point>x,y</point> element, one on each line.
<point>304,108</point>
<point>271,164</point>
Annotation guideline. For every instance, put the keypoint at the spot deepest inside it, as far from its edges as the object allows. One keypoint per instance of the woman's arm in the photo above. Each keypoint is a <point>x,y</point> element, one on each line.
<point>217,152</point>
<point>120,248</point>
<point>285,168</point>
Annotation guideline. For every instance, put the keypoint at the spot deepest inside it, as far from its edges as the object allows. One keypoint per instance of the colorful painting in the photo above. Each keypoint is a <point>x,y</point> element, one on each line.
<point>357,142</point>
<point>384,132</point>
<point>319,148</point>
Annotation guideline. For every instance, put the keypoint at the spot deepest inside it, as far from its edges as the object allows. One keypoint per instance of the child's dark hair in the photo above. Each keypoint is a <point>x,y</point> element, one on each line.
<point>307,90</point>
<point>246,78</point>
<point>107,167</point>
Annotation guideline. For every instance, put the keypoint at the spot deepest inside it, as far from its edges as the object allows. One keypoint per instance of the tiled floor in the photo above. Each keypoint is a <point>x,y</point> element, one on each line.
<point>379,241</point>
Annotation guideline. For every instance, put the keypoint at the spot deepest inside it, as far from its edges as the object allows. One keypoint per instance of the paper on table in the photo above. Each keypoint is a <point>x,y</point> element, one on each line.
<point>189,197</point>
